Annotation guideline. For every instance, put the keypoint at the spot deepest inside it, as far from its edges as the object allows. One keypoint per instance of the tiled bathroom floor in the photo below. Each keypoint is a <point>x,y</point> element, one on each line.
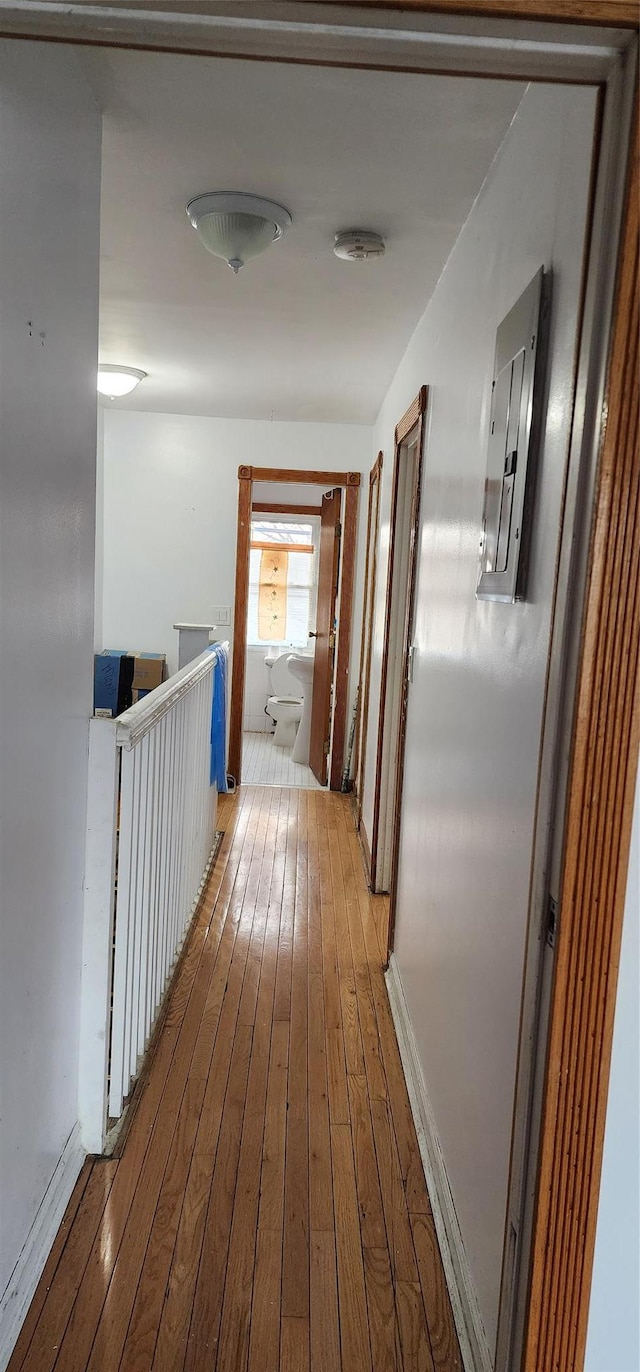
<point>262,764</point>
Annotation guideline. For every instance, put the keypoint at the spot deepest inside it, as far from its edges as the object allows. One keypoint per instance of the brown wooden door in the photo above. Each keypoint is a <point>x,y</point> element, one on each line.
<point>325,634</point>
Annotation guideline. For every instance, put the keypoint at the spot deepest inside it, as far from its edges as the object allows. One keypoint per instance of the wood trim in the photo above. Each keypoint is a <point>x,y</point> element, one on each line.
<point>411,416</point>
<point>241,604</point>
<point>301,478</point>
<point>368,606</point>
<point>366,851</point>
<point>348,543</point>
<point>402,724</point>
<point>281,547</point>
<point>265,507</point>
<point>598,828</point>
<point>608,13</point>
<point>384,669</point>
<point>408,422</point>
<point>351,482</point>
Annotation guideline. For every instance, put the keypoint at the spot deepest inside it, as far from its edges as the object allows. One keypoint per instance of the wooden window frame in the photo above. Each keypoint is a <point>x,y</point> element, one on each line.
<point>604,753</point>
<point>271,507</point>
<point>350,482</point>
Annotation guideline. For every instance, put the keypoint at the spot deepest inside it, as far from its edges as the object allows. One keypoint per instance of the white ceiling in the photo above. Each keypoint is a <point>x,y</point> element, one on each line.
<point>299,334</point>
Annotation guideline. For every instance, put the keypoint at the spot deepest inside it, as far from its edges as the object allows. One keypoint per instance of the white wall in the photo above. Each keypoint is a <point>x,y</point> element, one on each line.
<point>49,242</point>
<point>613,1339</point>
<point>170,513</point>
<point>476,706</point>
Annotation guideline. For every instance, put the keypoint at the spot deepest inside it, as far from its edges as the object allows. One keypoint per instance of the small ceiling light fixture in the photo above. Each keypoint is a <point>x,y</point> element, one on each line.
<point>358,245</point>
<point>237,226</point>
<point>115,381</point>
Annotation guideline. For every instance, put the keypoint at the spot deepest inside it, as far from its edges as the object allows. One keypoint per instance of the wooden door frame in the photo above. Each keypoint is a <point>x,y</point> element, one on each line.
<point>603,761</point>
<point>414,417</point>
<point>366,640</point>
<point>350,482</point>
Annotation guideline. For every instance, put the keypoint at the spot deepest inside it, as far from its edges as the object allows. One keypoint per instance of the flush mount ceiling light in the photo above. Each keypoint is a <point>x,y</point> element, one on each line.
<point>116,381</point>
<point>358,245</point>
<point>237,226</point>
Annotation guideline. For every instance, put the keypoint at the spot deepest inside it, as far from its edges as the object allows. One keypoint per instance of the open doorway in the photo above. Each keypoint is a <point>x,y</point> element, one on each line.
<point>281,619</point>
<point>295,566</point>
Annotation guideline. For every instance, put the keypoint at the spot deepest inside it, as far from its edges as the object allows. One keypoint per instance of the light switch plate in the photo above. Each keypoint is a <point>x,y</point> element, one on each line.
<point>509,481</point>
<point>221,616</point>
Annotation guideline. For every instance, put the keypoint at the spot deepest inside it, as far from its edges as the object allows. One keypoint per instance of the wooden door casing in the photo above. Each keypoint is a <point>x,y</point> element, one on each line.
<point>366,642</point>
<point>325,634</point>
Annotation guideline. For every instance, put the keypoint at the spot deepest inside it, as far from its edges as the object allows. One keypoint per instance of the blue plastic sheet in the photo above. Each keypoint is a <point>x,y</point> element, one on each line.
<point>219,720</point>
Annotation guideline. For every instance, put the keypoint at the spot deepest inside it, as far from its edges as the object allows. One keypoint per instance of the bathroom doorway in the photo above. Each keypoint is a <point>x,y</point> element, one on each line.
<point>292,626</point>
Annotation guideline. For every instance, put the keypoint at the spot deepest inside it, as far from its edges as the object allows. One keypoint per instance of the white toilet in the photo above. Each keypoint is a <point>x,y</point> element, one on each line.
<point>285,702</point>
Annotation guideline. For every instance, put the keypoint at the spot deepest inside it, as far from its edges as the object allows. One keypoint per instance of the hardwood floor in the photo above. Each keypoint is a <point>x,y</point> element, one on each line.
<point>269,1209</point>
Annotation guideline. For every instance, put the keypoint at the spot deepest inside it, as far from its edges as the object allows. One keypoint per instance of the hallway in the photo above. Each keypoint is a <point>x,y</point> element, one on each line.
<point>269,1208</point>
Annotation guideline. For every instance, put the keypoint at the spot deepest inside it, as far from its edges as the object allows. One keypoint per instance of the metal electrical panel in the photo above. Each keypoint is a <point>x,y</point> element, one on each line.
<point>508,484</point>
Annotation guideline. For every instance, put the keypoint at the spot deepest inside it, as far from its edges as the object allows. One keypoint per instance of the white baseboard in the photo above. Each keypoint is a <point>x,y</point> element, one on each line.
<point>26,1274</point>
<point>475,1351</point>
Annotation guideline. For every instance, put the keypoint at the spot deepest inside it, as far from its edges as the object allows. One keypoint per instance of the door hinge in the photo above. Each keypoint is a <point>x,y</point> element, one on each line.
<point>552,922</point>
<point>338,530</point>
<point>332,639</point>
<point>326,747</point>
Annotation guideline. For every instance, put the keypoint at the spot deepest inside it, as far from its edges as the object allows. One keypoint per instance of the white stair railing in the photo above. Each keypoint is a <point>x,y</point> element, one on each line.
<point>150,838</point>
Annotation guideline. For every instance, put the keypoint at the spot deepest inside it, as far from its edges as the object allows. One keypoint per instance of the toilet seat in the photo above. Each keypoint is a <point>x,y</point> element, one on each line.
<point>283,684</point>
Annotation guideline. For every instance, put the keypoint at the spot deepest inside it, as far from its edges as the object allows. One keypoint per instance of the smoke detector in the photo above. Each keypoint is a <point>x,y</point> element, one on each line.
<point>357,245</point>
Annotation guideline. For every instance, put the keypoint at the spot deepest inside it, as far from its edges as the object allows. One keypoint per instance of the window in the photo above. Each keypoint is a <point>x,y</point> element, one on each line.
<point>282,581</point>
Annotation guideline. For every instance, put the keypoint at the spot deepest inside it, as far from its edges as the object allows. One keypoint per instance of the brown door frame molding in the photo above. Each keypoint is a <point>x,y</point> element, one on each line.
<point>413,418</point>
<point>350,481</point>
<point>271,507</point>
<point>605,744</point>
<point>366,640</point>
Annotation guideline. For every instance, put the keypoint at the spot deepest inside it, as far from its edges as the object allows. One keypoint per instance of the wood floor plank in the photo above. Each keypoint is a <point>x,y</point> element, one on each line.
<point>324,1320</point>
<point>334,1038</point>
<point>202,1342</point>
<point>282,1000</point>
<point>399,1236</point>
<point>295,1255</point>
<point>442,1331</point>
<point>372,1224</point>
<point>294,1345</point>
<point>267,1211</point>
<point>264,1341</point>
<point>354,1322</point>
<point>320,1176</point>
<point>414,1339</point>
<point>383,1325</point>
<point>233,1351</point>
<point>271,1213</point>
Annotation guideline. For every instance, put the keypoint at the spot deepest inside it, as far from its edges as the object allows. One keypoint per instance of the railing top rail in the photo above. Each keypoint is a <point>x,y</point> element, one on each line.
<point>133,724</point>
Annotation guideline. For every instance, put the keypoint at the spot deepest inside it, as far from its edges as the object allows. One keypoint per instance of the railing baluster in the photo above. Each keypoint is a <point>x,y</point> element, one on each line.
<point>122,932</point>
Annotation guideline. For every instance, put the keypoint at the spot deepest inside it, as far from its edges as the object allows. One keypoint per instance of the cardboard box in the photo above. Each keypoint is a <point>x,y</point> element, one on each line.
<point>149,671</point>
